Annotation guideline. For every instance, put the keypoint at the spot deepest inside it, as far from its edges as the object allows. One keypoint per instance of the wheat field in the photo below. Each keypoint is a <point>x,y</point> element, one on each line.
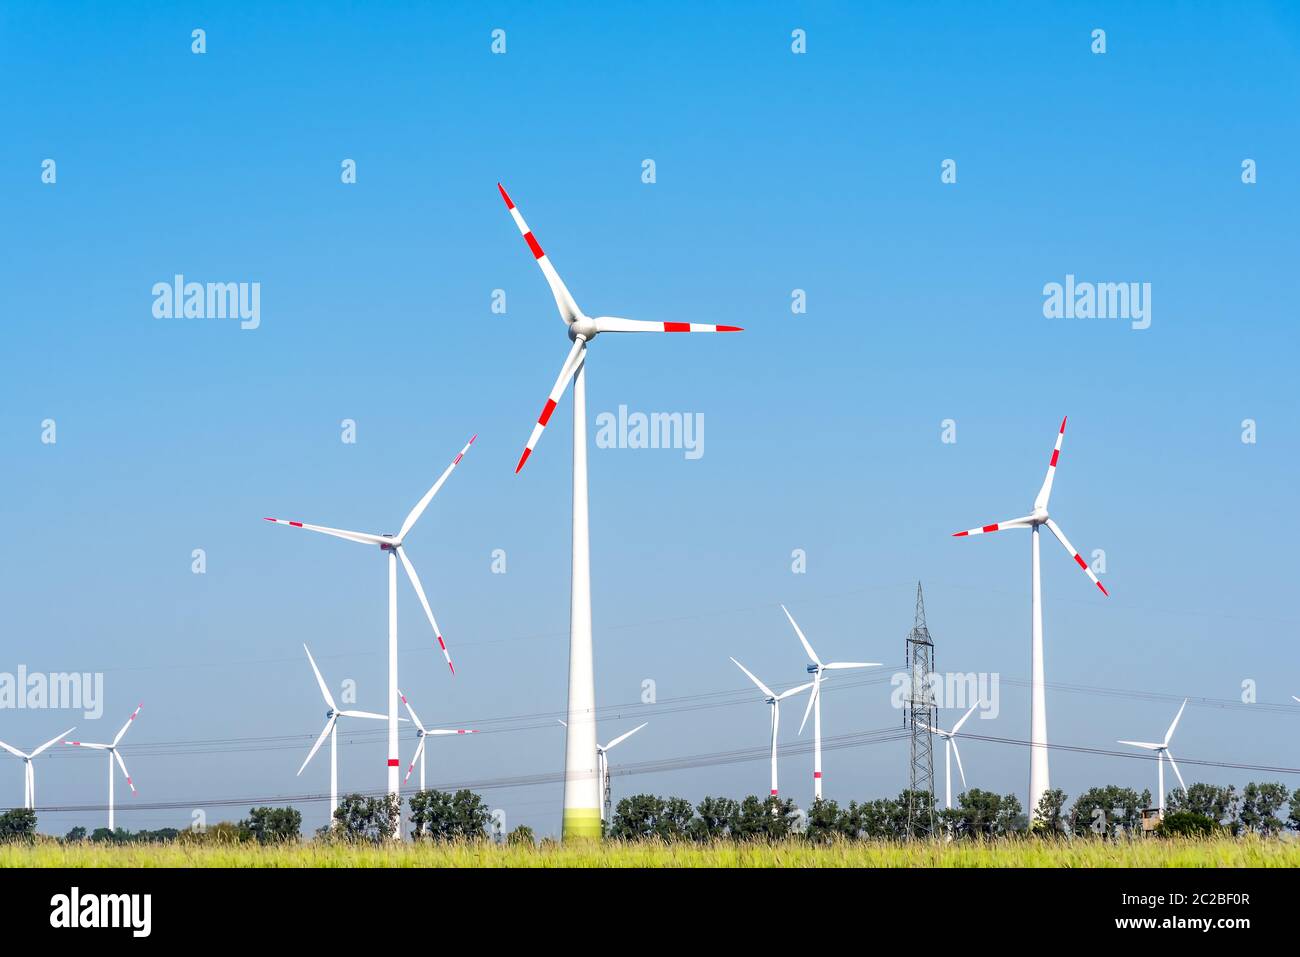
<point>1088,853</point>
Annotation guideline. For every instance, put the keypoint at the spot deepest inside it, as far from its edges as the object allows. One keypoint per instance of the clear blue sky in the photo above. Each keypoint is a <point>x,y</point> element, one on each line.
<point>774,172</point>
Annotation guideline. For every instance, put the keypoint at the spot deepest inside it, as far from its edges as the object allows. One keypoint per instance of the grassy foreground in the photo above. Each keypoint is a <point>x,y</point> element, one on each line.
<point>1213,852</point>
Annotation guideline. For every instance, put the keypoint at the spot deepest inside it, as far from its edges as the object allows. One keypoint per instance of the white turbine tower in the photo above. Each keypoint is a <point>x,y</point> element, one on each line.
<point>424,733</point>
<point>392,545</point>
<point>1162,751</point>
<point>949,748</point>
<point>581,776</point>
<point>774,699</point>
<point>113,755</point>
<point>815,699</point>
<point>331,731</point>
<point>29,775</point>
<point>1038,774</point>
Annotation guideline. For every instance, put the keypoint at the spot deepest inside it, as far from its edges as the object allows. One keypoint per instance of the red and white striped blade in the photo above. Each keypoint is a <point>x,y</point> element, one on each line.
<point>128,723</point>
<point>365,538</point>
<point>424,603</point>
<point>615,324</point>
<point>88,744</point>
<point>125,773</point>
<point>569,310</point>
<point>995,527</point>
<point>452,731</point>
<point>1045,492</point>
<point>423,503</point>
<point>571,363</point>
<point>411,711</point>
<point>419,749</point>
<point>1078,560</point>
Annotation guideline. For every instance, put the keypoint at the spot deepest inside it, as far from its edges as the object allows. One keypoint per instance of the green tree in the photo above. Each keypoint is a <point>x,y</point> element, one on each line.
<point>1219,804</point>
<point>1048,815</point>
<point>18,824</point>
<point>642,816</point>
<point>1105,810</point>
<point>523,834</point>
<point>273,825</point>
<point>983,814</point>
<point>362,818</point>
<point>879,819</point>
<point>76,834</point>
<point>1186,824</point>
<point>444,816</point>
<point>769,819</point>
<point>825,822</point>
<point>1260,806</point>
<point>714,818</point>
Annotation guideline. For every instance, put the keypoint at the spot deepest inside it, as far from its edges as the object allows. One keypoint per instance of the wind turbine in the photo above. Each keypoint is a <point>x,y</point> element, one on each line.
<point>1162,751</point>
<point>581,775</point>
<point>392,545</point>
<point>602,765</point>
<point>1038,774</point>
<point>331,731</point>
<point>423,733</point>
<point>815,699</point>
<point>774,699</point>
<point>113,755</point>
<point>949,748</point>
<point>29,774</point>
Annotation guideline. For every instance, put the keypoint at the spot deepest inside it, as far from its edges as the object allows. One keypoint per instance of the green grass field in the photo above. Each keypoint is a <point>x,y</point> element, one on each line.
<point>1216,852</point>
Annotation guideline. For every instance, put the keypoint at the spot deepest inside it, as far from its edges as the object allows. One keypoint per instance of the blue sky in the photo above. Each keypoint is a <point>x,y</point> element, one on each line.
<point>775,172</point>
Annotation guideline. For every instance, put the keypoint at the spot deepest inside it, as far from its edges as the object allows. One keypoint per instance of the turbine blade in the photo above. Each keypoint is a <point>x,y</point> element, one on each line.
<point>957,754</point>
<point>49,743</point>
<point>791,692</point>
<point>1045,492</point>
<point>365,538</point>
<point>1060,537</point>
<point>957,727</point>
<point>1170,733</point>
<point>1142,744</point>
<point>329,726</point>
<point>87,744</point>
<point>615,324</point>
<point>128,724</point>
<point>419,750</point>
<point>1170,756</point>
<point>802,640</point>
<point>324,688</point>
<point>851,664</point>
<point>410,711</point>
<point>567,370</point>
<point>441,731</point>
<point>569,310</point>
<point>812,700</point>
<point>424,603</point>
<point>761,687</point>
<point>12,750</point>
<point>365,714</point>
<point>125,773</point>
<point>623,737</point>
<point>422,504</point>
<point>1022,522</point>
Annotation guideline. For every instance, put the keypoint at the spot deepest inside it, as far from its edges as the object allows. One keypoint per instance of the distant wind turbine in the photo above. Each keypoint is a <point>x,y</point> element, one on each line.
<point>1162,751</point>
<point>774,699</point>
<point>113,755</point>
<point>29,775</point>
<point>949,749</point>
<point>424,734</point>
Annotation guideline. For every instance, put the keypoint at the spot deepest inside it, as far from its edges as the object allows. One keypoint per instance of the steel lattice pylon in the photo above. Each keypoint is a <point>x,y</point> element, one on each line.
<point>921,714</point>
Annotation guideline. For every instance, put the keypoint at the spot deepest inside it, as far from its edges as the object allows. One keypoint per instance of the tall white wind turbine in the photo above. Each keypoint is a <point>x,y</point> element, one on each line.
<point>113,755</point>
<point>29,775</point>
<point>1038,774</point>
<point>816,668</point>
<point>424,733</point>
<point>774,699</point>
<point>331,731</point>
<point>581,775</point>
<point>1162,752</point>
<point>392,545</point>
<point>949,748</point>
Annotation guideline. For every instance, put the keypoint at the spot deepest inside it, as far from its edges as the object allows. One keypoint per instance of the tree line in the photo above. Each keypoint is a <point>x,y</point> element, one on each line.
<point>1110,811</point>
